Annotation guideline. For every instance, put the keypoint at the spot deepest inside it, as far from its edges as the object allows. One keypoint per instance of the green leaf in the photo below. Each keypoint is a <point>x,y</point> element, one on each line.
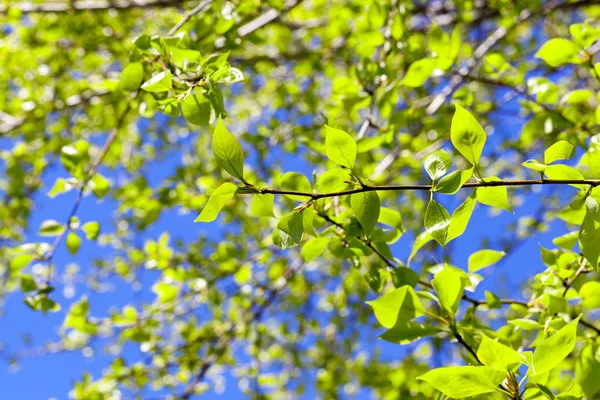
<point>590,294</point>
<point>437,221</point>
<point>314,247</point>
<point>498,356</point>
<point>467,135</point>
<point>51,227</point>
<point>526,324</point>
<point>451,183</point>
<point>494,196</point>
<point>196,110</point>
<point>408,331</point>
<point>295,182</point>
<point>391,217</point>
<point>333,180</point>
<point>216,202</point>
<point>534,165</point>
<point>366,206</point>
<point>420,241</point>
<point>165,292</point>
<point>60,186</point>
<point>566,241</point>
<point>20,261</point>
<point>291,229</point>
<point>589,233</point>
<point>228,151</point>
<point>262,205</point>
<point>437,164</point>
<point>91,229</point>
<point>553,350</point>
<point>460,217</point>
<point>584,34</point>
<point>307,221</point>
<point>27,283</point>
<point>101,186</point>
<point>449,286</point>
<point>400,304</point>
<point>132,77</point>
<point>161,82</point>
<point>492,301</point>
<point>560,150</point>
<point>340,147</point>
<point>404,276</point>
<point>560,171</point>
<point>418,73</point>
<point>484,258</point>
<point>578,96</point>
<point>558,51</point>
<point>460,382</point>
<point>73,243</point>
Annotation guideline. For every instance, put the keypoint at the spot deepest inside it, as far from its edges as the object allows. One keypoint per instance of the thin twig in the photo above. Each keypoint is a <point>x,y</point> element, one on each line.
<point>196,10</point>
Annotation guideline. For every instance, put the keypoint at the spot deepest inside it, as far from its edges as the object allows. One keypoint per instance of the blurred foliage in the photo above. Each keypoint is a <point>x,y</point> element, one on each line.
<point>288,291</point>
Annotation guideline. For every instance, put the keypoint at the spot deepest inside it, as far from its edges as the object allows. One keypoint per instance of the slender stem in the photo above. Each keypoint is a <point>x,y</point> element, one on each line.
<point>401,188</point>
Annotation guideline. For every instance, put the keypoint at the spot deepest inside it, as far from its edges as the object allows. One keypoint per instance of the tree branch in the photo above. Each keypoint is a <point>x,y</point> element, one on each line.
<point>86,5</point>
<point>407,188</point>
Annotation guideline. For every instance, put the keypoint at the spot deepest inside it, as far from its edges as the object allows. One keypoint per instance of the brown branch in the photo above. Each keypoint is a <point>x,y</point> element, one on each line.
<point>86,5</point>
<point>406,188</point>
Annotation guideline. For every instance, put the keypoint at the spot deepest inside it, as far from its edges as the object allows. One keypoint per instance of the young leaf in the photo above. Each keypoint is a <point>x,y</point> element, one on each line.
<point>228,151</point>
<point>560,150</point>
<point>20,261</point>
<point>366,206</point>
<point>291,229</point>
<point>484,258</point>
<point>558,51</point>
<point>437,164</point>
<point>590,294</point>
<point>216,202</point>
<point>420,241</point>
<point>196,109</point>
<point>418,73</point>
<point>460,218</point>
<point>554,349</point>
<point>51,227</point>
<point>404,276</point>
<point>132,77</point>
<point>437,221</point>
<point>461,382</point>
<point>449,286</point>
<point>262,205</point>
<point>295,182</point>
<point>91,229</point>
<point>73,243</point>
<point>101,186</point>
<point>27,283</point>
<point>161,82</point>
<point>408,331</point>
<point>400,304</point>
<point>340,147</point>
<point>467,135</point>
<point>534,165</point>
<point>314,247</point>
<point>494,196</point>
<point>589,233</point>
<point>451,183</point>
<point>165,292</point>
<point>497,356</point>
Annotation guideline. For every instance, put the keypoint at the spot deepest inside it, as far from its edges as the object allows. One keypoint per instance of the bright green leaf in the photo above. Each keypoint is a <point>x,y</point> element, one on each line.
<point>461,382</point>
<point>397,305</point>
<point>132,77</point>
<point>228,151</point>
<point>467,135</point>
<point>418,73</point>
<point>340,147</point>
<point>73,243</point>
<point>314,247</point>
<point>196,109</point>
<point>451,183</point>
<point>366,206</point>
<point>216,202</point>
<point>161,82</point>
<point>449,286</point>
<point>494,196</point>
<point>551,351</point>
<point>437,164</point>
<point>558,51</point>
<point>437,221</point>
<point>560,150</point>
<point>497,356</point>
<point>484,258</point>
<point>262,205</point>
<point>460,218</point>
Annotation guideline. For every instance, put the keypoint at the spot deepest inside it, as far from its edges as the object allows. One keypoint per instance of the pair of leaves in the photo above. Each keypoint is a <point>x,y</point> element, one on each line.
<point>443,228</point>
